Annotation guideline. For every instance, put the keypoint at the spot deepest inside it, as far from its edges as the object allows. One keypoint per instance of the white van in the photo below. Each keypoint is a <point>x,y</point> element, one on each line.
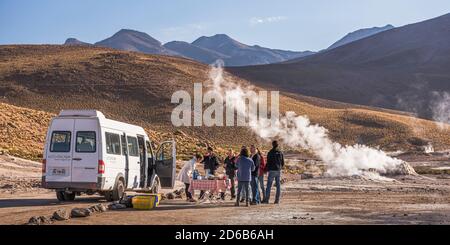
<point>87,153</point>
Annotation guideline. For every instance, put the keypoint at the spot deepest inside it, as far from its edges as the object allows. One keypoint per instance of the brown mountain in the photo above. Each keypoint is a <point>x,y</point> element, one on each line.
<point>137,88</point>
<point>131,40</point>
<point>397,69</point>
<point>74,41</point>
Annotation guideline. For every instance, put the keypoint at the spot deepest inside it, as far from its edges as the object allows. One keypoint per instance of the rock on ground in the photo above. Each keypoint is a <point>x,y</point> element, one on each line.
<point>170,196</point>
<point>61,214</point>
<point>116,206</point>
<point>100,208</point>
<point>80,212</point>
<point>403,169</point>
<point>39,220</point>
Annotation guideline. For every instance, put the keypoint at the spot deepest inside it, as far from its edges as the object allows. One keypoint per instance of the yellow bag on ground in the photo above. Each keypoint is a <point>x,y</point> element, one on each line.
<point>146,202</point>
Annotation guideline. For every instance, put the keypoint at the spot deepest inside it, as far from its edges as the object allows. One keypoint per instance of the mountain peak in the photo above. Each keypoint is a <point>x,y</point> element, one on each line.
<point>74,41</point>
<point>360,34</point>
<point>132,40</point>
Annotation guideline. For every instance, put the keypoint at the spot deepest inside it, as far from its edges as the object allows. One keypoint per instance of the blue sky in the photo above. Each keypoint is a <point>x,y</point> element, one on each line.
<point>288,24</point>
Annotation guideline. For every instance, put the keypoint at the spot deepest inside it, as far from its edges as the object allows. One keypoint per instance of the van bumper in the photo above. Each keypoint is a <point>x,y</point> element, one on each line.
<point>75,186</point>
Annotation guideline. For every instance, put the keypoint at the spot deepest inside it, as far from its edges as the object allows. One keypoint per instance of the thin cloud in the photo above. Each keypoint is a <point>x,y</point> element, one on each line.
<point>184,32</point>
<point>272,19</point>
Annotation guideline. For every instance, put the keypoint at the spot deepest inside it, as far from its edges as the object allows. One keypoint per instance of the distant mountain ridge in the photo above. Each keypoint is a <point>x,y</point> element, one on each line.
<point>401,68</point>
<point>196,53</point>
<point>204,49</point>
<point>242,54</point>
<point>208,49</point>
<point>359,34</point>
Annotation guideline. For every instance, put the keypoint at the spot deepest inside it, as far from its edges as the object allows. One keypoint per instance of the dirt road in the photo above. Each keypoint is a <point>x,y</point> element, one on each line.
<point>421,199</point>
<point>314,201</point>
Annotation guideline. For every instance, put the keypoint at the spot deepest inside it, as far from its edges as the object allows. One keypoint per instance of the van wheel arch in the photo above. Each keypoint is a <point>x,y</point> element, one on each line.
<point>114,195</point>
<point>120,187</point>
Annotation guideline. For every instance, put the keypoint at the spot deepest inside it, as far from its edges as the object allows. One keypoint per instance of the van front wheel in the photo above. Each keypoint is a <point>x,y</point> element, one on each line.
<point>118,191</point>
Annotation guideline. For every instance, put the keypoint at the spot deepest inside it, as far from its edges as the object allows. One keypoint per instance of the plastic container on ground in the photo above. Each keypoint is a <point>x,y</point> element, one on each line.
<point>146,202</point>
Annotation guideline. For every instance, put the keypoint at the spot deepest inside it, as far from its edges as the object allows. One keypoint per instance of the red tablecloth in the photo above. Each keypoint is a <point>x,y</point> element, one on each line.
<point>214,186</point>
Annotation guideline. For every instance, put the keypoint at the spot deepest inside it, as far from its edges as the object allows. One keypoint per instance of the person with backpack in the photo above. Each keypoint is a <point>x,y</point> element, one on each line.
<point>275,163</point>
<point>245,166</point>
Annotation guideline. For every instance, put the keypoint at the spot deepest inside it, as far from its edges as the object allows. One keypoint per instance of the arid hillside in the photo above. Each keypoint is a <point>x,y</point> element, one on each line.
<point>137,88</point>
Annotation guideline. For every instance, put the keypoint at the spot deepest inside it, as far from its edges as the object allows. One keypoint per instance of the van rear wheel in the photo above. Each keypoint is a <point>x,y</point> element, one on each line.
<point>60,196</point>
<point>108,196</point>
<point>118,191</point>
<point>69,196</point>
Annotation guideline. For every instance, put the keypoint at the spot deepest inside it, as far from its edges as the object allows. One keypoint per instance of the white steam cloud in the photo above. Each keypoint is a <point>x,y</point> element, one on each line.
<point>297,131</point>
<point>441,109</point>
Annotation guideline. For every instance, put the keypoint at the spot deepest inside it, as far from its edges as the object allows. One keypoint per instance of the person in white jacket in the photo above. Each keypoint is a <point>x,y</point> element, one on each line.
<point>185,175</point>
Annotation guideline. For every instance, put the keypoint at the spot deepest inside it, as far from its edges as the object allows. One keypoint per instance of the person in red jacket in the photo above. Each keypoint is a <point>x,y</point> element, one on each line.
<point>262,172</point>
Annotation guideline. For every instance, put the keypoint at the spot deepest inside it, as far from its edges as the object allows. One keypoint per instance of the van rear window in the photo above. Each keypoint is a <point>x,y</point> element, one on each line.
<point>60,141</point>
<point>112,143</point>
<point>86,142</point>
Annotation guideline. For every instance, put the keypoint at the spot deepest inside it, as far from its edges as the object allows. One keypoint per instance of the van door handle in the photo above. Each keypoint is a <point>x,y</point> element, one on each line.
<point>77,159</point>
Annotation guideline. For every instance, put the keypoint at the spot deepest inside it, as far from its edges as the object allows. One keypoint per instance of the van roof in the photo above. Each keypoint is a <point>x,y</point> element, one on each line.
<point>81,113</point>
<point>105,122</point>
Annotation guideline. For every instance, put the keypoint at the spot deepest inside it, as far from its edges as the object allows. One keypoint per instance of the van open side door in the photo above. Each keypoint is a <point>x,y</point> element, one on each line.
<point>166,163</point>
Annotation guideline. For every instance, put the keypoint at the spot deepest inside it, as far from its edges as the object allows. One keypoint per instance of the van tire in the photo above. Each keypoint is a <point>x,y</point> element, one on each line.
<point>108,196</point>
<point>118,191</point>
<point>69,196</point>
<point>60,196</point>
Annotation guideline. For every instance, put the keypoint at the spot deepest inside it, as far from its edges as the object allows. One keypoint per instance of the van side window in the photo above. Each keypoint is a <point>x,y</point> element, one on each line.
<point>60,141</point>
<point>112,143</point>
<point>133,146</point>
<point>86,141</point>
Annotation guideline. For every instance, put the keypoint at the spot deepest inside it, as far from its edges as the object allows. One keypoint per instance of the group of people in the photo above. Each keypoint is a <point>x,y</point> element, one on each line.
<point>249,169</point>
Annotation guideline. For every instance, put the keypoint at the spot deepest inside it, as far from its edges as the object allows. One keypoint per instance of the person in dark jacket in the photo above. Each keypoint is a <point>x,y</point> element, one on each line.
<point>254,180</point>
<point>245,167</point>
<point>211,162</point>
<point>275,163</point>
<point>230,170</point>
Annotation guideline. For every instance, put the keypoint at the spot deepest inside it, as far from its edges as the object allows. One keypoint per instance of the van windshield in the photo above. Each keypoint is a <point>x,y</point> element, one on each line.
<point>60,141</point>
<point>86,142</point>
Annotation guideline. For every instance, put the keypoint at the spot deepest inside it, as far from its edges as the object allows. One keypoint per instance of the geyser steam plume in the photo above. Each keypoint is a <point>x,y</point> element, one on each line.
<point>297,131</point>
